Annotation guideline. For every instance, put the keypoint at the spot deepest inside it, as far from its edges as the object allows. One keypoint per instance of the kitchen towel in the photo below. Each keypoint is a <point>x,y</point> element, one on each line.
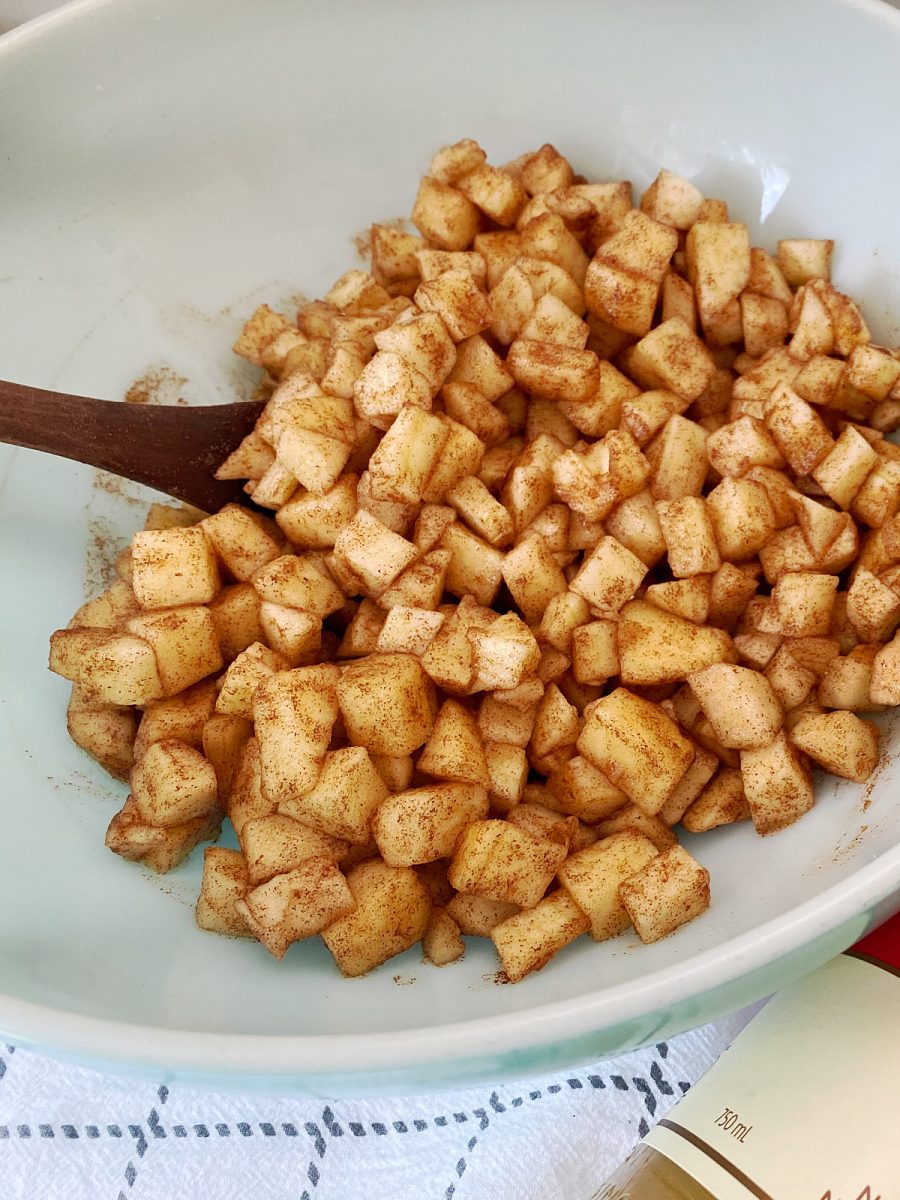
<point>71,1133</point>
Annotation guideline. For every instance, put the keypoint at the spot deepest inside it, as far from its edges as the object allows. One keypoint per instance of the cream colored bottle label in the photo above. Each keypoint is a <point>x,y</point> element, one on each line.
<point>806,1104</point>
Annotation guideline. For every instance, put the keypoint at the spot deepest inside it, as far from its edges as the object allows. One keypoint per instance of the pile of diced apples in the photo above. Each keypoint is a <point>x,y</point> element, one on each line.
<point>584,527</point>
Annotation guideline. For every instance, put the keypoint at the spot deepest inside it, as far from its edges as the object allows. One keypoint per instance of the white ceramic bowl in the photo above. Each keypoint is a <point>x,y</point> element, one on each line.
<point>165,167</point>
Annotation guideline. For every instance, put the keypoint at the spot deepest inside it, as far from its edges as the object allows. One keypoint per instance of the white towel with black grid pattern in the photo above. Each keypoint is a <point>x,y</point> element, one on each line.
<point>68,1133</point>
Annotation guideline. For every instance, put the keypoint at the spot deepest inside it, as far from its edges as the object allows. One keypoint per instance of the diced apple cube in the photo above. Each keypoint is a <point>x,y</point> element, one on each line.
<point>667,892</point>
<point>638,746</point>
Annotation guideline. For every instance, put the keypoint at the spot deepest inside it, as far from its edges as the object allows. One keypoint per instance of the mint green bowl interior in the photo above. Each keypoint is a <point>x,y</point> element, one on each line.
<point>168,166</point>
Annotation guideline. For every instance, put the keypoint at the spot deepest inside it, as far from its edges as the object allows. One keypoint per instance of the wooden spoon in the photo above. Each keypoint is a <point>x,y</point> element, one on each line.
<point>171,448</point>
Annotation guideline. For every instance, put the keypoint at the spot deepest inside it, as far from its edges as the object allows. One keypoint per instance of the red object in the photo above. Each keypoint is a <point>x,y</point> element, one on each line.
<point>882,943</point>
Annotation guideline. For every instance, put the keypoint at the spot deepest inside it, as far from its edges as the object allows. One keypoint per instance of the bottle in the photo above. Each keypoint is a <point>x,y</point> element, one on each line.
<point>805,1105</point>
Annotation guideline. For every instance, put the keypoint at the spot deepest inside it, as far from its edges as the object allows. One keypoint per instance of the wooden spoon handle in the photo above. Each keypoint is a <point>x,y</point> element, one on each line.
<point>171,448</point>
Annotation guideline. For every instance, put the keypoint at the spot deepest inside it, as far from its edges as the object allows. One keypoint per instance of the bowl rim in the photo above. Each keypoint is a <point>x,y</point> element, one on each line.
<point>881,9</point>
<point>281,1056</point>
